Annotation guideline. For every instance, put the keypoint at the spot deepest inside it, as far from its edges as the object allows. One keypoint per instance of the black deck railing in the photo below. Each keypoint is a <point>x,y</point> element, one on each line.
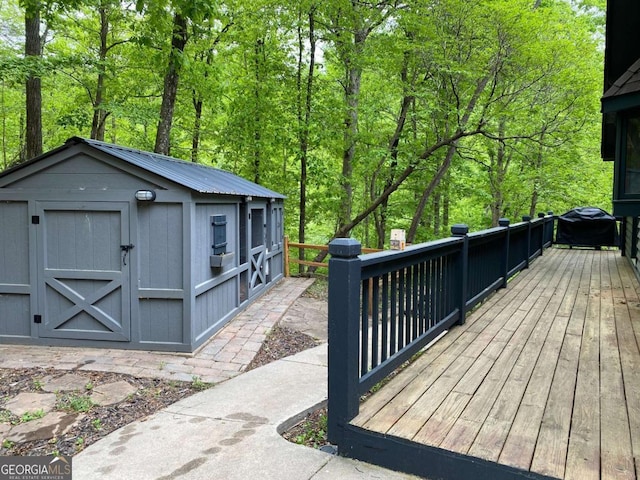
<point>385,307</point>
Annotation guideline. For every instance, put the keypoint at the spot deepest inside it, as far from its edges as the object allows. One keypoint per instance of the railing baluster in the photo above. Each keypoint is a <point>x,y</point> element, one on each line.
<point>364,328</point>
<point>375,325</point>
<point>420,297</point>
<point>402,282</point>
<point>394,314</point>
<point>408,307</point>
<point>385,317</point>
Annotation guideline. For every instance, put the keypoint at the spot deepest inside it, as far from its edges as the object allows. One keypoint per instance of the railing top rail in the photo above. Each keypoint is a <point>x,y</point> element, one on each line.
<point>490,232</point>
<point>412,251</point>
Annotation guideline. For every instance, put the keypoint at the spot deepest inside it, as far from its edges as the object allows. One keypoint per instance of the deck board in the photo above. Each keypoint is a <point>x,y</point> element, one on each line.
<point>544,376</point>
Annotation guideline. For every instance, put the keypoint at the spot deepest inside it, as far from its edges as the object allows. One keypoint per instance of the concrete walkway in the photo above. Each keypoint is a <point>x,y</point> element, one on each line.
<point>229,432</point>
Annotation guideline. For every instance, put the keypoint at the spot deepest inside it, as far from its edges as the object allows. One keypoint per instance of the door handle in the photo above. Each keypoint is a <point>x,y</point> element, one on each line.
<point>125,250</point>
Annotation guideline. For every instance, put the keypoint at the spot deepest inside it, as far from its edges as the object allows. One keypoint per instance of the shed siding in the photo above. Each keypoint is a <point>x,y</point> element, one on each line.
<point>213,308</point>
<point>276,266</point>
<point>216,288</point>
<point>82,172</point>
<point>203,240</point>
<point>160,266</point>
<point>160,253</point>
<point>145,266</point>
<point>161,321</point>
<point>15,286</point>
<point>14,233</point>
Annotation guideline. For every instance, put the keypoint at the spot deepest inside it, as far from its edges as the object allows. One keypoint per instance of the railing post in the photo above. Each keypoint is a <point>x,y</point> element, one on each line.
<point>504,222</point>
<point>527,218</point>
<point>542,233</point>
<point>461,230</point>
<point>344,330</point>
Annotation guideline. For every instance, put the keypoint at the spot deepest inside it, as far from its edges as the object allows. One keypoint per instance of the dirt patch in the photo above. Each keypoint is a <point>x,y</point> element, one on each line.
<point>150,395</point>
<point>281,342</point>
<point>311,432</point>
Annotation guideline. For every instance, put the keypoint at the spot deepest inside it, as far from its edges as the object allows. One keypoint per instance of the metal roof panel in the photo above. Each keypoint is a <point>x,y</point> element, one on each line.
<point>201,178</point>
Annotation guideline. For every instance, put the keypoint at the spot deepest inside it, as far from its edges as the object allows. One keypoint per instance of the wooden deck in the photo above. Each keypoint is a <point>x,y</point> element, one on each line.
<point>544,376</point>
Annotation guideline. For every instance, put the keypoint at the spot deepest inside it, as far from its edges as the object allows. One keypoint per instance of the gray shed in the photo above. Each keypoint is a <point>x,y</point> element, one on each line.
<point>102,245</point>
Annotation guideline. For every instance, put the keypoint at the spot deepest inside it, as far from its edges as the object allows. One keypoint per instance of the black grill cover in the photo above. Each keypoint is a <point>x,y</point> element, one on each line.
<point>587,227</point>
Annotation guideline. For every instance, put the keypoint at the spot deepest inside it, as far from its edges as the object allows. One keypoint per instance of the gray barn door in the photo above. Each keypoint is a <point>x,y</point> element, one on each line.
<point>258,257</point>
<point>83,267</point>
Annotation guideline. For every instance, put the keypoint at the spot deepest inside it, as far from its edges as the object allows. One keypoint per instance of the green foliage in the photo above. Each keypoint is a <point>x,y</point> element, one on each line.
<point>28,416</point>
<point>5,416</point>
<point>73,402</point>
<point>313,434</point>
<point>198,384</point>
<point>522,83</point>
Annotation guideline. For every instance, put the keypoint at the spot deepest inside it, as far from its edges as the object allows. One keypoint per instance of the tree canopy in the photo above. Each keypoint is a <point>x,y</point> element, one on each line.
<point>368,115</point>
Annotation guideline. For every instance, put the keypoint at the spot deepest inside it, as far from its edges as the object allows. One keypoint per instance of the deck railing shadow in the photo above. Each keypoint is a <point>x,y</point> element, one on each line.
<point>385,307</point>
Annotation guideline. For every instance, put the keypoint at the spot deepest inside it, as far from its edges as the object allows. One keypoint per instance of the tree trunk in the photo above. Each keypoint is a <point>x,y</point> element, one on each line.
<point>452,144</point>
<point>197,125</point>
<point>198,103</point>
<point>352,93</point>
<point>499,165</point>
<point>437,200</point>
<point>171,80</point>
<point>353,78</point>
<point>5,161</point>
<point>33,48</point>
<point>257,114</point>
<point>99,114</point>
<point>408,101</point>
<point>304,120</point>
<point>446,202</point>
<point>536,182</point>
<point>433,184</point>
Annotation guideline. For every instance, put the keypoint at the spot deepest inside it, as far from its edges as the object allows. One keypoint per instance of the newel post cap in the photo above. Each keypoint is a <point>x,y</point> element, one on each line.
<point>459,230</point>
<point>345,247</point>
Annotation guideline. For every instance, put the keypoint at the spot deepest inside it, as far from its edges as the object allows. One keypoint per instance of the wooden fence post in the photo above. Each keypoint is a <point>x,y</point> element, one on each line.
<point>287,273</point>
<point>461,230</point>
<point>344,331</point>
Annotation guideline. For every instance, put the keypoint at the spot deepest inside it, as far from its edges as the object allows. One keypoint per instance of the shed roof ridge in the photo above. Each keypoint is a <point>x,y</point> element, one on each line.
<point>151,155</point>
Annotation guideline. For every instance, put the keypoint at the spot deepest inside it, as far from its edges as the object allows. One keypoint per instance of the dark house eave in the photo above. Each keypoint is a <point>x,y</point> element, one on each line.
<point>622,102</point>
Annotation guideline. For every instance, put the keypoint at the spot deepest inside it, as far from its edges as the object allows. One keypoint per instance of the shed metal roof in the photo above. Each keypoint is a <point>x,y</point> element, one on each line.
<point>197,177</point>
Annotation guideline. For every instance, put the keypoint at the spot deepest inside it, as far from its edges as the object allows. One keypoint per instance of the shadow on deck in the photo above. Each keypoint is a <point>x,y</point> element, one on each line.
<point>543,380</point>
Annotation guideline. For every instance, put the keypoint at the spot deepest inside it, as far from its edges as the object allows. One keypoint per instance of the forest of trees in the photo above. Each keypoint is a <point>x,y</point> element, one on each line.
<point>368,115</point>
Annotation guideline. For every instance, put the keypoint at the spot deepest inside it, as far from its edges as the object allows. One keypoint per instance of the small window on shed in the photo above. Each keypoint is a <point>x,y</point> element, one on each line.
<point>219,234</point>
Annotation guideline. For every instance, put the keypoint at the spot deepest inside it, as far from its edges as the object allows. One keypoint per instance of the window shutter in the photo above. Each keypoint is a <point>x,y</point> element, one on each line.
<point>219,234</point>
